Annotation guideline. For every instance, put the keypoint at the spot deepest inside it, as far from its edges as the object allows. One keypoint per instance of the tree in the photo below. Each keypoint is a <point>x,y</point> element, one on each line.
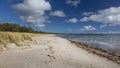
<point>16,28</point>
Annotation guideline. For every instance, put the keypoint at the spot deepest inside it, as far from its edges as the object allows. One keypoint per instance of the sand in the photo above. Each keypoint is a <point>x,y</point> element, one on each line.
<point>49,51</point>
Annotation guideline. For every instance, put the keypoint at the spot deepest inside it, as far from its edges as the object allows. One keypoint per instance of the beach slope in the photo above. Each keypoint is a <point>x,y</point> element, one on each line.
<point>49,51</point>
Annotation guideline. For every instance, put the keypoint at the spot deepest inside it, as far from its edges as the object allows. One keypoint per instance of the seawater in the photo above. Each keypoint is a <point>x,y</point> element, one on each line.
<point>103,41</point>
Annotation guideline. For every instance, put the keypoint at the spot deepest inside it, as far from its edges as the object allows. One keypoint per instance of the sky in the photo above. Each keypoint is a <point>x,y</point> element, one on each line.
<point>63,16</point>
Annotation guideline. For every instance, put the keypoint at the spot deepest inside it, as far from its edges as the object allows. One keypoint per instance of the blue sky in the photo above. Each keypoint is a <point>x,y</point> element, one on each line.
<point>66,16</point>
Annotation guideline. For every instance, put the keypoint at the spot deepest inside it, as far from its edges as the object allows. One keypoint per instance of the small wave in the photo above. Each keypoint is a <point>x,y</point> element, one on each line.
<point>102,45</point>
<point>109,41</point>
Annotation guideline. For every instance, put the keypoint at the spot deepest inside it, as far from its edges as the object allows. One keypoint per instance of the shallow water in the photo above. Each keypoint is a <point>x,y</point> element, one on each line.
<point>103,41</point>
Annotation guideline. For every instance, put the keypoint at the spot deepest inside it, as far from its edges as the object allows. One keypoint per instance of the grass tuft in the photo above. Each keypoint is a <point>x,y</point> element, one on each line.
<point>14,37</point>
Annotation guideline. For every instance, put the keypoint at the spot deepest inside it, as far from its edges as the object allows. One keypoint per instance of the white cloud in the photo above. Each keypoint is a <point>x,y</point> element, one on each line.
<point>58,13</point>
<point>88,27</point>
<point>69,29</point>
<point>104,25</point>
<point>72,20</point>
<point>110,16</point>
<point>73,2</point>
<point>87,13</point>
<point>33,11</point>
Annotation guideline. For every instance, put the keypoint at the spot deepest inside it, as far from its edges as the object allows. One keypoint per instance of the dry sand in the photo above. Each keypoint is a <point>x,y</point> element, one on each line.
<point>49,51</point>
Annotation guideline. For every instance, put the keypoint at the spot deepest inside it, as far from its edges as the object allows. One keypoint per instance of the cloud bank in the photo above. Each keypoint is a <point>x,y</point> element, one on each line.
<point>110,16</point>
<point>33,11</point>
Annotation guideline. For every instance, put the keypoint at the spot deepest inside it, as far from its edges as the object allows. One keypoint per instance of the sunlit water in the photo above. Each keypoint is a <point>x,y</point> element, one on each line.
<point>103,41</point>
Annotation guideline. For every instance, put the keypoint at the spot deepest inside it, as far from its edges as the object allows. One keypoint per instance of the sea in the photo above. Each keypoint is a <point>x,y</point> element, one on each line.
<point>103,41</point>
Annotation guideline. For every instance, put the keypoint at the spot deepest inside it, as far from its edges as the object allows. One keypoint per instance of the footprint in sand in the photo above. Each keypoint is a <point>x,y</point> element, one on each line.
<point>51,54</point>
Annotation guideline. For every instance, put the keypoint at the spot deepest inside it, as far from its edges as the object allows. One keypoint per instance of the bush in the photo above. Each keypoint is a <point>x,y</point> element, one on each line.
<point>16,28</point>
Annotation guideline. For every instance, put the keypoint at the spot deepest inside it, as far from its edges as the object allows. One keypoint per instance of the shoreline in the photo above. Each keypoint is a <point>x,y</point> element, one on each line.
<point>50,51</point>
<point>97,51</point>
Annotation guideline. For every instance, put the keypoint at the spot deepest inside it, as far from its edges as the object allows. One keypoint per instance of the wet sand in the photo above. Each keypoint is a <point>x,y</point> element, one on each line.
<point>110,55</point>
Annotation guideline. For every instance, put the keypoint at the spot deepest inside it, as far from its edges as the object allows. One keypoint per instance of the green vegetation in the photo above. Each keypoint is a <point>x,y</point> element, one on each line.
<point>14,33</point>
<point>16,28</point>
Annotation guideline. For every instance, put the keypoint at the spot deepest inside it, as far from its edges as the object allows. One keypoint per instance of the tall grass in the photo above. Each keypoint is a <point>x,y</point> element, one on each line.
<point>14,37</point>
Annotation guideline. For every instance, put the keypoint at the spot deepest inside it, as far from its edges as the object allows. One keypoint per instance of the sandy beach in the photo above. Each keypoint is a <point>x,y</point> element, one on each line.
<point>50,51</point>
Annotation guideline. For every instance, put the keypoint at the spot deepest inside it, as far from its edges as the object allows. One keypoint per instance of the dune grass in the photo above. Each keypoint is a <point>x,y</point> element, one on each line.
<point>15,37</point>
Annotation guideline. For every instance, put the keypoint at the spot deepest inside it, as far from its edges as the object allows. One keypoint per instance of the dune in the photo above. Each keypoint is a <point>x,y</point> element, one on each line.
<point>50,51</point>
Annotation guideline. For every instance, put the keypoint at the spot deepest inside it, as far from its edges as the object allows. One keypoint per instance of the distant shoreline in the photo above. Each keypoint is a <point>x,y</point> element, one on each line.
<point>97,51</point>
